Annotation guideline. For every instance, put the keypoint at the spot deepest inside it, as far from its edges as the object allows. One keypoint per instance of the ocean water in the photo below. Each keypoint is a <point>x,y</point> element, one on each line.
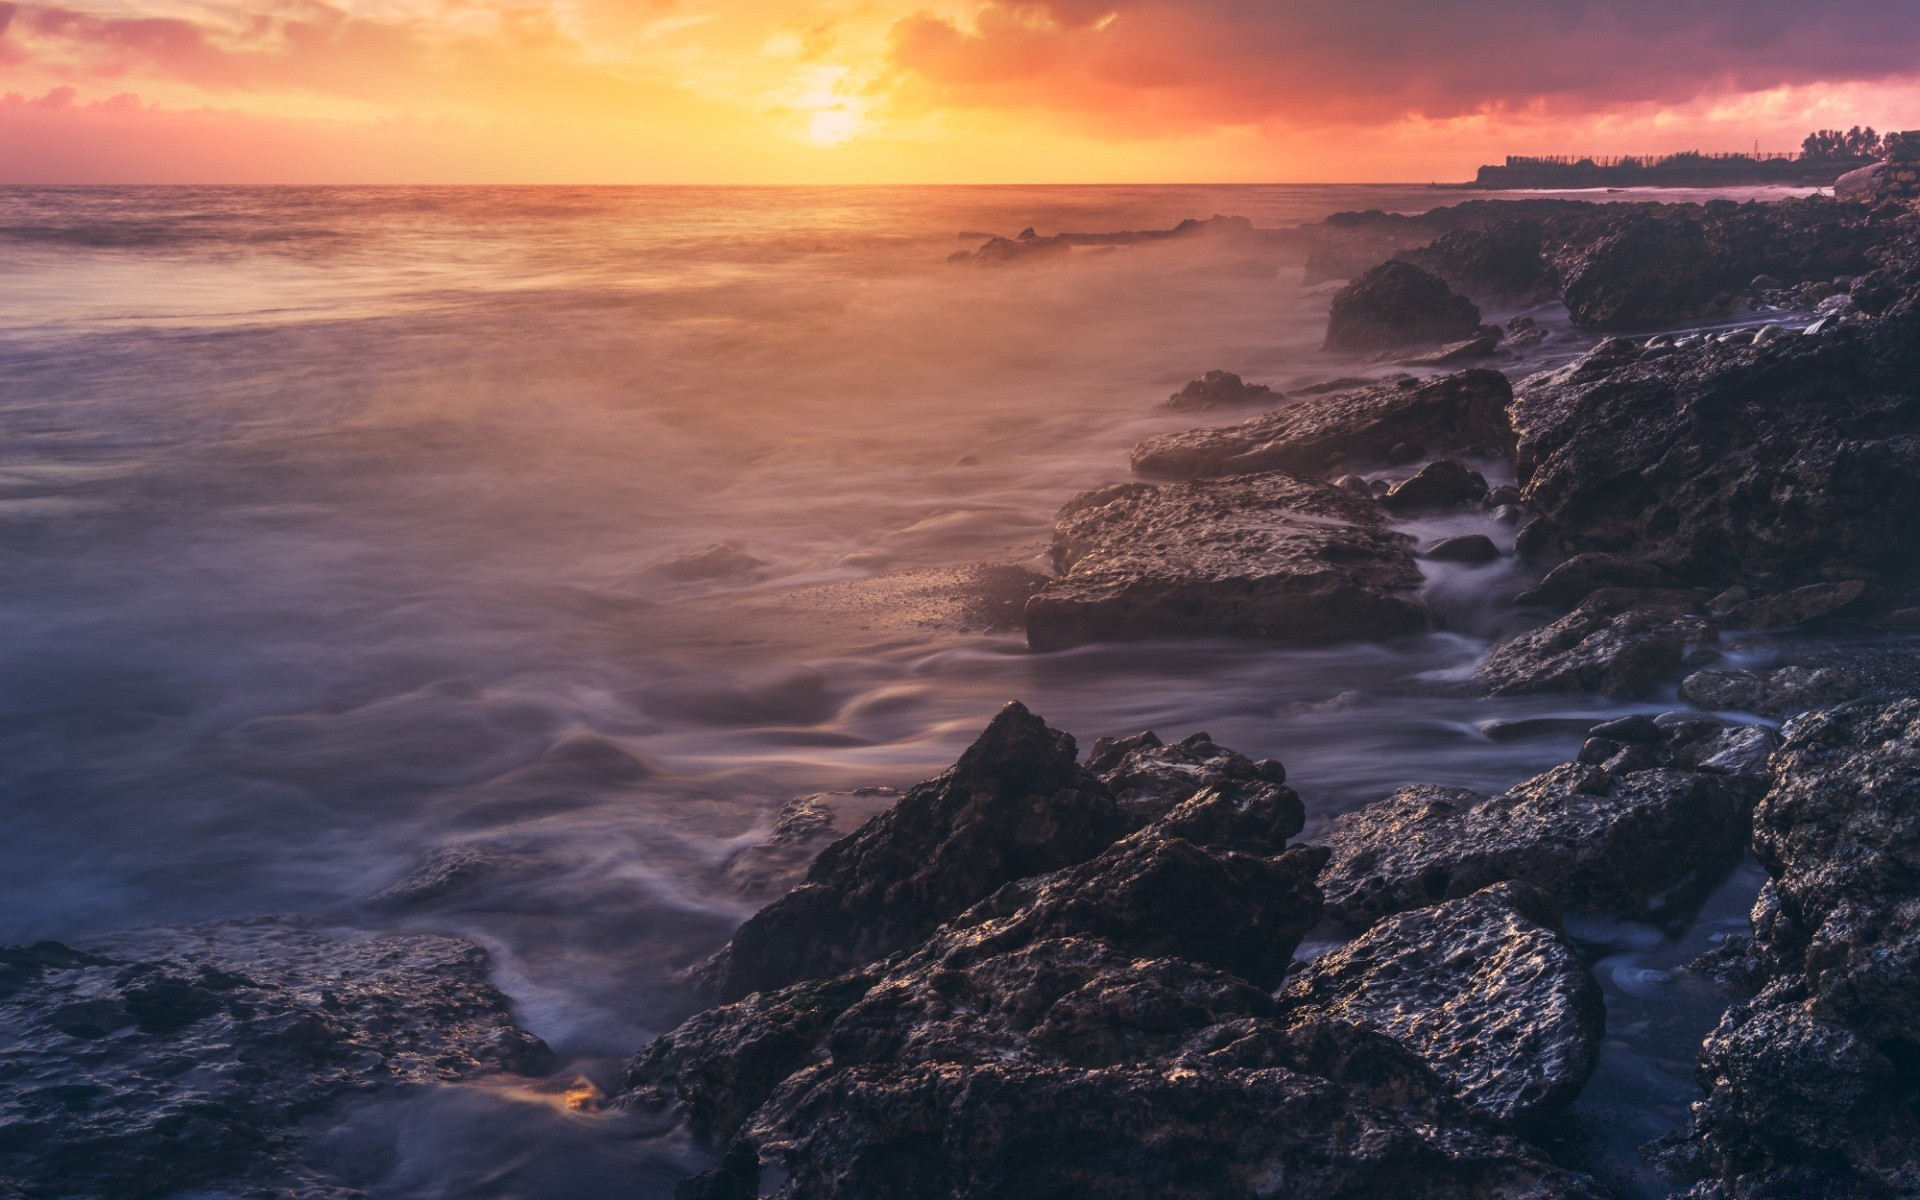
<point>328,520</point>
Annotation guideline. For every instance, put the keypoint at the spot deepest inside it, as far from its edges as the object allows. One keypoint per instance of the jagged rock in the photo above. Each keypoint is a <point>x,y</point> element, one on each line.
<point>805,826</point>
<point>1149,778</point>
<point>1443,483</point>
<point>1641,828</point>
<point>1795,607</point>
<point>1583,574</point>
<point>1523,332</point>
<point>1503,261</point>
<point>722,560</point>
<point>1618,642</point>
<point>1783,465</point>
<point>1777,693</point>
<point>444,871</point>
<point>1219,389</point>
<point>169,1060</point>
<point>1454,353</point>
<point>1398,304</point>
<point>1016,804</point>
<point>1266,556</point>
<point>1460,413</point>
<point>1485,989</point>
<point>1809,1084</point>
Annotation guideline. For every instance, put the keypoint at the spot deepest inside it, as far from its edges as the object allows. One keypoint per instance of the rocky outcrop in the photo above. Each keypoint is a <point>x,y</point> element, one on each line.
<point>1485,989</point>
<point>1634,826</point>
<point>1149,778</point>
<point>1398,304</point>
<point>1777,466</point>
<point>1219,389</point>
<point>1016,804</point>
<point>1504,261</point>
<point>1809,1084</point>
<point>1108,1029</point>
<point>1618,642</point>
<point>1777,693</point>
<point>1463,413</point>
<point>167,1061</point>
<point>1268,556</point>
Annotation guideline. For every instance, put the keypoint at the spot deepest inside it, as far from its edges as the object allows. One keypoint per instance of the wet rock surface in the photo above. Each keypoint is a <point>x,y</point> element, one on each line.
<point>1398,304</point>
<point>1107,1028</point>
<point>170,1060</point>
<point>1618,642</point>
<point>1641,826</point>
<point>1809,1085</point>
<point>1778,693</point>
<point>1016,804</point>
<point>1268,556</point>
<point>1219,389</point>
<point>1485,989</point>
<point>1462,413</point>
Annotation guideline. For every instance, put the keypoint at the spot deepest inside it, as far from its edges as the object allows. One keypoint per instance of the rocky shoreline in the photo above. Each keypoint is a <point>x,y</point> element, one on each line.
<point>1124,973</point>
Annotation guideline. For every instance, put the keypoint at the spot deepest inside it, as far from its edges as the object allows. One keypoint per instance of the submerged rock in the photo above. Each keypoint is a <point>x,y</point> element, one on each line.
<point>1455,414</point>
<point>1618,642</point>
<point>1219,389</point>
<point>1265,556</point>
<point>1485,989</point>
<point>1810,1084</point>
<point>721,560</point>
<point>1641,828</point>
<point>1398,304</point>
<point>1016,804</point>
<point>169,1060</point>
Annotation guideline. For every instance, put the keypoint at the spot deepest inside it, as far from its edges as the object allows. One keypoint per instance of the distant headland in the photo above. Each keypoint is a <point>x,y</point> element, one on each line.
<point>1822,159</point>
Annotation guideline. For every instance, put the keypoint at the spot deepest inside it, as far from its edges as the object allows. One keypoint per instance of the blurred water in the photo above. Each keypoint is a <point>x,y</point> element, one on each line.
<point>327,517</point>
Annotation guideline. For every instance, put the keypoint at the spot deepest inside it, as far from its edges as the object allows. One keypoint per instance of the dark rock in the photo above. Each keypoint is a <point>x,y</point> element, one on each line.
<point>1637,728</point>
<point>1501,496</point>
<point>171,1061</point>
<point>1533,727</point>
<point>1583,574</point>
<point>1398,304</point>
<point>1485,989</point>
<point>446,870</point>
<point>805,826</point>
<point>1443,483</point>
<point>1509,514</point>
<point>1356,484</point>
<point>1149,779</point>
<point>1795,607</point>
<point>1524,331</point>
<point>1502,261</point>
<point>1643,829</point>
<point>722,560</point>
<point>1455,353</point>
<point>1620,642</point>
<point>1016,804</point>
<point>1467,548</point>
<point>1784,464</point>
<point>1219,389</point>
<point>1810,1084</point>
<point>1462,413</point>
<point>1777,693</point>
<point>1266,556</point>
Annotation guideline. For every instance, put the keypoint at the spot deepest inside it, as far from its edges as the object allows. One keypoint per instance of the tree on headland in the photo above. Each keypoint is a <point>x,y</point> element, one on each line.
<point>1830,145</point>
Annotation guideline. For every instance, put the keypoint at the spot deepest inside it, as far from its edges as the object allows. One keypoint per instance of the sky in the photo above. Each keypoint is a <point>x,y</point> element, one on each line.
<point>921,91</point>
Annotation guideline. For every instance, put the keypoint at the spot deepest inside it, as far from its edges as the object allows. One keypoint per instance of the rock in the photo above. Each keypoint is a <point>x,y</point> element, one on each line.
<point>1485,989</point>
<point>1265,556</point>
<point>1619,642</point>
<point>446,870</point>
<point>1524,331</point>
<point>1859,184</point>
<point>1475,548</point>
<point>1640,830</point>
<point>1462,413</point>
<point>1583,574</point>
<point>1455,353</point>
<point>804,827</point>
<point>1781,464</point>
<point>1149,779</point>
<point>1766,283</point>
<point>1398,304</point>
<point>1503,261</point>
<point>1501,496</point>
<point>1776,693</point>
<point>1795,607</point>
<point>1646,271</point>
<point>1357,484</point>
<point>1399,454</point>
<point>1218,389</point>
<point>1442,483</point>
<point>1809,1084</point>
<point>1509,514</point>
<point>1016,804</point>
<point>185,1060</point>
<point>721,560</point>
<point>1636,728</point>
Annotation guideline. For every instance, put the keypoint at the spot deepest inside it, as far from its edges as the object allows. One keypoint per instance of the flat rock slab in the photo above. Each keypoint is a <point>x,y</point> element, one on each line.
<point>1622,835</point>
<point>1267,556</point>
<point>1456,414</point>
<point>1485,989</point>
<point>169,1060</point>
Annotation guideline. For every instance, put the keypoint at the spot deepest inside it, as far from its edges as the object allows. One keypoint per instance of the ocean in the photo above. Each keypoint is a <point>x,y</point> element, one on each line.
<point>331,522</point>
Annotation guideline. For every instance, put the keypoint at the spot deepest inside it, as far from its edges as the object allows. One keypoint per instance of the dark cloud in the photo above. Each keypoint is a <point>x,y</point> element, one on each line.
<point>1331,61</point>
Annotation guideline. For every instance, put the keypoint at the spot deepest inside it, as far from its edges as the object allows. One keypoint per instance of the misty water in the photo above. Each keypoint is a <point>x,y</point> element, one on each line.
<point>328,519</point>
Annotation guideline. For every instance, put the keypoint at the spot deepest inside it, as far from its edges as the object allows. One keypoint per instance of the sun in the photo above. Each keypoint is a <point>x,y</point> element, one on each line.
<point>832,126</point>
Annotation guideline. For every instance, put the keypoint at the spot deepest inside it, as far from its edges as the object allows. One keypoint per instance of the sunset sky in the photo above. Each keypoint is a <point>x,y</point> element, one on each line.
<point>857,91</point>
